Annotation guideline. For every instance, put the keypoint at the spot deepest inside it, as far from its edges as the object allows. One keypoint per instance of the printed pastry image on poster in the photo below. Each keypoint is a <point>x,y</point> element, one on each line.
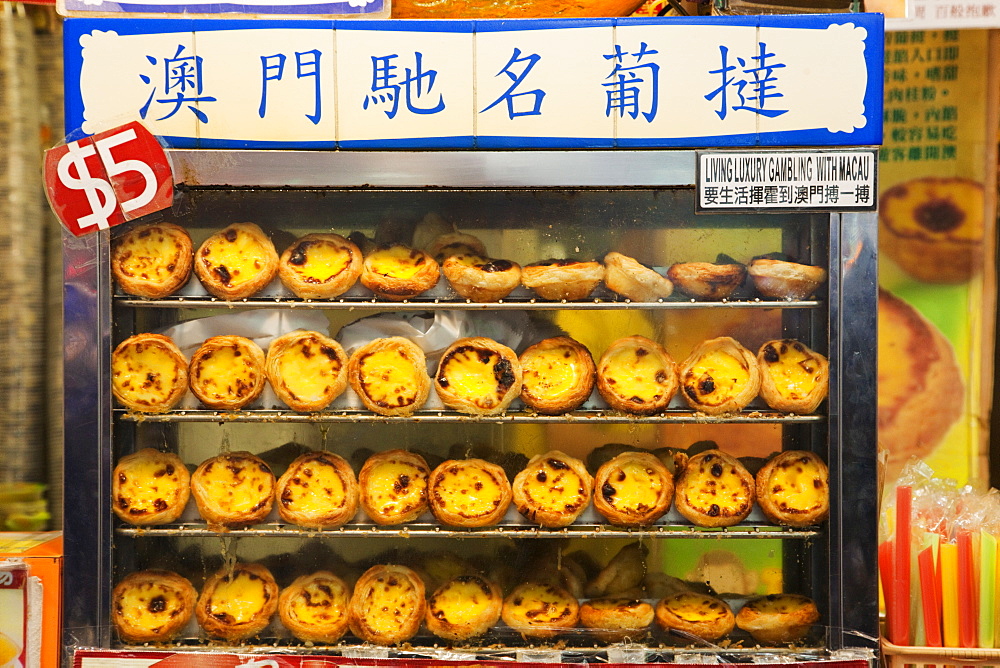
<point>936,303</point>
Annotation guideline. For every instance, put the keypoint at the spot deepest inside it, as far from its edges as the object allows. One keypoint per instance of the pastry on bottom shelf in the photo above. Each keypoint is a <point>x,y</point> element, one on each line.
<point>390,376</point>
<point>152,606</point>
<point>314,607</point>
<point>553,489</point>
<point>777,619</point>
<point>557,375</point>
<point>793,378</point>
<point>637,375</point>
<point>150,487</point>
<point>320,266</point>
<point>617,619</point>
<point>478,376</point>
<point>793,489</point>
<point>634,280</point>
<point>399,272</point>
<point>237,602</point>
<point>387,606</point>
<point>701,615</point>
<point>233,490</point>
<point>227,372</point>
<point>152,260</point>
<point>556,280</point>
<point>307,370</point>
<point>237,262</point>
<point>317,491</point>
<point>537,610</point>
<point>393,487</point>
<point>481,279</point>
<point>713,489</point>
<point>719,376</point>
<point>634,489</point>
<point>468,492</point>
<point>464,607</point>
<point>149,373</point>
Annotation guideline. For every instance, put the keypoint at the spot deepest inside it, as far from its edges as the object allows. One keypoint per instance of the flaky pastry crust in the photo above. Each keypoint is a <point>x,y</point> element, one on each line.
<point>777,619</point>
<point>481,279</point>
<point>394,487</point>
<point>387,606</point>
<point>634,280</point>
<point>227,372</point>
<point>236,262</point>
<point>468,492</point>
<point>390,376</point>
<point>478,376</point>
<point>307,370</point>
<point>557,375</point>
<point>780,279</point>
<point>793,377</point>
<point>637,375</point>
<point>152,260</point>
<point>701,615</point>
<point>314,607</point>
<point>320,266</point>
<point>707,280</point>
<point>538,610</point>
<point>399,272</point>
<point>719,376</point>
<point>553,489</point>
<point>464,607</point>
<point>617,619</point>
<point>793,489</point>
<point>233,490</point>
<point>150,487</point>
<point>152,606</point>
<point>149,373</point>
<point>221,614</point>
<point>633,489</point>
<point>317,491</point>
<point>713,489</point>
<point>556,280</point>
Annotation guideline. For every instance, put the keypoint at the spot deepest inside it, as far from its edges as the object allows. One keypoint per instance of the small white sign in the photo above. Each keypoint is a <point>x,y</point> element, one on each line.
<point>814,180</point>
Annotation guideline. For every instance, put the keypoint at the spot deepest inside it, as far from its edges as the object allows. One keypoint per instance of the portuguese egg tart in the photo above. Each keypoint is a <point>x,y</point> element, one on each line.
<point>707,280</point>
<point>701,615</point>
<point>390,376</point>
<point>464,607</point>
<point>633,489</point>
<point>152,606</point>
<point>468,492</point>
<point>317,491</point>
<point>233,490</point>
<point>793,488</point>
<point>481,279</point>
<point>634,280</point>
<point>237,602</point>
<point>713,489</point>
<point>557,375</point>
<point>152,260</point>
<point>387,606</point>
<point>637,375</point>
<point>314,607</point>
<point>399,272</point>
<point>450,244</point>
<point>538,610</point>
<point>478,376</point>
<point>777,619</point>
<point>719,376</point>
<point>617,619</point>
<point>320,266</point>
<point>150,487</point>
<point>793,378</point>
<point>307,370</point>
<point>553,489</point>
<point>393,487</point>
<point>149,373</point>
<point>781,279</point>
<point>227,372</point>
<point>556,280</point>
<point>236,262</point>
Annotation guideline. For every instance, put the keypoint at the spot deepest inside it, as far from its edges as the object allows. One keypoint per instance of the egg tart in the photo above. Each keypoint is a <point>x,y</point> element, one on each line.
<point>227,372</point>
<point>152,606</point>
<point>781,279</point>
<point>777,619</point>
<point>318,491</point>
<point>314,607</point>
<point>468,492</point>
<point>558,375</point>
<point>707,280</point>
<point>399,272</point>
<point>720,376</point>
<point>701,615</point>
<point>150,487</point>
<point>556,280</point>
<point>637,375</point>
<point>537,610</point>
<point>149,373</point>
<point>713,489</point>
<point>152,260</point>
<point>481,279</point>
<point>793,378</point>
<point>553,489</point>
<point>634,280</point>
<point>617,619</point>
<point>464,607</point>
<point>236,262</point>
<point>793,489</point>
<point>633,489</point>
<point>237,602</point>
<point>307,370</point>
<point>320,266</point>
<point>233,490</point>
<point>450,244</point>
<point>478,376</point>
<point>390,376</point>
<point>387,606</point>
<point>393,486</point>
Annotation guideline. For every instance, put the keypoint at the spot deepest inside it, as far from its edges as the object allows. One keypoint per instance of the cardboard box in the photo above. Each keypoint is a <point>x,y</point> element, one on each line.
<point>34,564</point>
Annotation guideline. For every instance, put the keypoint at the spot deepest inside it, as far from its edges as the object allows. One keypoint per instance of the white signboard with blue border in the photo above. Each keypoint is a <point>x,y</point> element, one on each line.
<point>740,81</point>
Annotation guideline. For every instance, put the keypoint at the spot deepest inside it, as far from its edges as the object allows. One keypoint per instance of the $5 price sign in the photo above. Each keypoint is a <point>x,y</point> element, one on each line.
<point>108,179</point>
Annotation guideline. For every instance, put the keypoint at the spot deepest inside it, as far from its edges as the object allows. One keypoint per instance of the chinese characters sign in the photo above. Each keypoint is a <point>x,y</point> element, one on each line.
<point>812,180</point>
<point>589,83</point>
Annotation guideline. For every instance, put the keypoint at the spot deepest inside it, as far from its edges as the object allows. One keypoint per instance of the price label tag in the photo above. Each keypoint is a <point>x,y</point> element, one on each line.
<point>108,179</point>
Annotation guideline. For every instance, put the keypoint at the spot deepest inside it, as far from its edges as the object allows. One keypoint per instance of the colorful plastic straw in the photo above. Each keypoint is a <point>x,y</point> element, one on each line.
<point>885,573</point>
<point>899,620</point>
<point>968,590</point>
<point>948,556</point>
<point>987,589</point>
<point>930,596</point>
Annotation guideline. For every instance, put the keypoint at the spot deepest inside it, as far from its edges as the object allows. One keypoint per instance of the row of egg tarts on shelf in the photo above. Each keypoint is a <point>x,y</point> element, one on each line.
<point>319,490</point>
<point>475,375</point>
<point>389,603</point>
<point>155,260</point>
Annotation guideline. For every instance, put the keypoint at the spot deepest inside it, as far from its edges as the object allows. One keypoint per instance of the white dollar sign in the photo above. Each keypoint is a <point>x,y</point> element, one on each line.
<point>93,187</point>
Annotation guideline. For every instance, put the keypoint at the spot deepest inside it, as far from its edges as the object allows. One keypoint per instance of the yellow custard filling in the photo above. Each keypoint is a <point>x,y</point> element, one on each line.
<point>538,604</point>
<point>718,485</point>
<point>471,372</point>
<point>151,254</point>
<point>397,262</point>
<point>308,368</point>
<point>149,605</point>
<point>224,372</point>
<point>236,485</point>
<point>633,487</point>
<point>390,378</point>
<point>145,372</point>
<point>462,601</point>
<point>717,377</point>
<point>317,486</point>
<point>148,486</point>
<point>554,486</point>
<point>390,599</point>
<point>320,602</point>
<point>396,486</point>
<point>234,257</point>
<point>798,485</point>
<point>317,261</point>
<point>695,608</point>
<point>794,374</point>
<point>468,491</point>
<point>239,598</point>
<point>638,373</point>
<point>550,373</point>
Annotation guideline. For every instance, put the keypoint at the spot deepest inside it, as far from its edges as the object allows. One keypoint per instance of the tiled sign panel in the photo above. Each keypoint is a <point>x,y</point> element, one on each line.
<point>720,81</point>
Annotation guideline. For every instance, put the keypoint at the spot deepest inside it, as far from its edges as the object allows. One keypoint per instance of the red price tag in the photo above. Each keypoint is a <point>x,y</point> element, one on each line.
<point>108,179</point>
